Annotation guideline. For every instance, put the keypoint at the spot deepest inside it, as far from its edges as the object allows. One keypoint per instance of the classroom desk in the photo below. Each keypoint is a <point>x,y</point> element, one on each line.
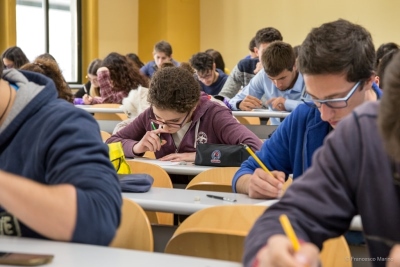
<point>186,202</point>
<point>91,109</point>
<point>261,114</point>
<point>77,255</point>
<point>175,167</point>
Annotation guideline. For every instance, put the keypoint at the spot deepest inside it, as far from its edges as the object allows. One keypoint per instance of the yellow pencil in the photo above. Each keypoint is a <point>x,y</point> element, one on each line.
<point>257,159</point>
<point>287,227</point>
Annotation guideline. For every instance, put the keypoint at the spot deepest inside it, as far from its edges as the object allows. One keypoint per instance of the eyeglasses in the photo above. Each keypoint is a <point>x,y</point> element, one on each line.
<point>170,124</point>
<point>205,77</point>
<point>332,103</point>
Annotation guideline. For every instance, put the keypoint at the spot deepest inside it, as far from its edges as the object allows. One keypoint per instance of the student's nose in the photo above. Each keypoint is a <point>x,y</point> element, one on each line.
<point>327,113</point>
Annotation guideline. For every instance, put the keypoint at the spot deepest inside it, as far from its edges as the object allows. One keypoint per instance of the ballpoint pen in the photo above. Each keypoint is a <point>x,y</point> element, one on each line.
<point>287,227</point>
<point>222,198</point>
<point>257,159</point>
<point>154,128</point>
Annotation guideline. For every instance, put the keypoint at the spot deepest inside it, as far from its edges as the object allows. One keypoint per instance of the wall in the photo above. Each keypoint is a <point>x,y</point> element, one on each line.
<point>118,26</point>
<point>228,25</point>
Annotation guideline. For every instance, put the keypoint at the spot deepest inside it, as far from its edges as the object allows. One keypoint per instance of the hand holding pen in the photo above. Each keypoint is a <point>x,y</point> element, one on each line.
<point>263,183</point>
<point>151,141</point>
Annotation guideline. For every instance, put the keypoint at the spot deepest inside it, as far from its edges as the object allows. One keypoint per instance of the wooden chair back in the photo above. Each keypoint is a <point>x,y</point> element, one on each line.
<point>335,252</point>
<point>161,179</point>
<point>105,135</point>
<point>249,120</point>
<point>216,232</point>
<point>134,231</point>
<point>109,116</point>
<point>215,179</point>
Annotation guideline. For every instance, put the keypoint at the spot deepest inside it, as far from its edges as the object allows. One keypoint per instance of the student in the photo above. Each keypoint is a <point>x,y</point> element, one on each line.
<point>56,179</point>
<point>279,84</point>
<point>252,49</point>
<point>162,53</point>
<point>218,59</point>
<point>14,57</point>
<point>210,77</point>
<point>383,63</point>
<point>117,77</point>
<point>51,69</point>
<point>337,62</point>
<point>356,171</point>
<point>245,70</point>
<point>383,49</point>
<point>135,60</point>
<point>92,87</point>
<point>183,117</point>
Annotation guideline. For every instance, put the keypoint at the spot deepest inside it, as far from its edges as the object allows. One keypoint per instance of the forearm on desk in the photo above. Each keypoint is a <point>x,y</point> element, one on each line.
<point>50,210</point>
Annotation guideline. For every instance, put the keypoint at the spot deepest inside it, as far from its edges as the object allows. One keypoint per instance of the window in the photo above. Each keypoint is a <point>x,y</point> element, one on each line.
<point>51,26</point>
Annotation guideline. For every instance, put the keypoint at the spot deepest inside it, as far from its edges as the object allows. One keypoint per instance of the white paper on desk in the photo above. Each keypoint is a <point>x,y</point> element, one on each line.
<point>161,162</point>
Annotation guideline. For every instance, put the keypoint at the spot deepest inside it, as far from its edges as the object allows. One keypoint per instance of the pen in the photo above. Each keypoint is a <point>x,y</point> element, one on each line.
<point>222,198</point>
<point>154,128</point>
<point>257,159</point>
<point>287,227</point>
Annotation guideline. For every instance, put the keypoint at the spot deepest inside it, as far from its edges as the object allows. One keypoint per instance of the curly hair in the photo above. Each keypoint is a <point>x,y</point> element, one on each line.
<point>174,89</point>
<point>51,69</point>
<point>16,55</point>
<point>388,118</point>
<point>124,76</point>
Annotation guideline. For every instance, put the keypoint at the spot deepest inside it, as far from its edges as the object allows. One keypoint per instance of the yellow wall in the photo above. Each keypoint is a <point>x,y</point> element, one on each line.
<point>175,21</point>
<point>118,27</point>
<point>7,24</point>
<point>228,25</point>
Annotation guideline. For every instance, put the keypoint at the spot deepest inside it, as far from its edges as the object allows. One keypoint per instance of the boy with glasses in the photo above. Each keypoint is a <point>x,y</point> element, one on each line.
<point>337,63</point>
<point>210,78</point>
<point>179,118</point>
<point>356,171</point>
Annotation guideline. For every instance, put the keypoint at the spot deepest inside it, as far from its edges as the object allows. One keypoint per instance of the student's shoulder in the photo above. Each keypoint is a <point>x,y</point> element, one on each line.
<point>247,65</point>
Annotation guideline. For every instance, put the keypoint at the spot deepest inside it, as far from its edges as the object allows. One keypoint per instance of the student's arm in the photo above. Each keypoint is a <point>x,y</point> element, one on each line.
<point>255,88</point>
<point>320,204</point>
<point>107,94</point>
<point>50,210</point>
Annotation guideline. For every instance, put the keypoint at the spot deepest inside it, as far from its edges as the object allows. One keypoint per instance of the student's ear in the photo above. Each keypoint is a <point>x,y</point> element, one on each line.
<point>214,66</point>
<point>256,51</point>
<point>377,79</point>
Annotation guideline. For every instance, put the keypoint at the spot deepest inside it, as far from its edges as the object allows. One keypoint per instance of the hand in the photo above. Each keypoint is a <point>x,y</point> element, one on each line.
<point>188,157</point>
<point>258,68</point>
<point>263,185</point>
<point>277,103</point>
<point>87,99</point>
<point>102,69</point>
<point>394,257</point>
<point>149,142</point>
<point>250,102</point>
<point>279,252</point>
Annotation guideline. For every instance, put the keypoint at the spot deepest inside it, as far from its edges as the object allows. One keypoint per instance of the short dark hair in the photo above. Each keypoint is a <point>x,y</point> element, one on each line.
<point>267,35</point>
<point>174,89</point>
<point>338,47</point>
<point>383,65</point>
<point>252,44</point>
<point>1,70</point>
<point>277,57</point>
<point>389,109</point>
<point>16,55</point>
<point>383,49</point>
<point>202,62</point>
<point>163,47</point>
<point>218,59</point>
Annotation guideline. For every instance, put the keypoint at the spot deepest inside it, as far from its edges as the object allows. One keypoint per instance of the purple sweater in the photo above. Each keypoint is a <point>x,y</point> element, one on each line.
<point>211,123</point>
<point>350,174</point>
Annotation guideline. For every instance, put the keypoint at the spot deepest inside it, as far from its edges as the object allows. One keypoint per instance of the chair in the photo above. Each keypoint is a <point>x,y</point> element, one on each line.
<point>216,232</point>
<point>215,179</point>
<point>105,135</point>
<point>335,252</point>
<point>219,232</point>
<point>161,179</point>
<point>249,120</point>
<point>109,116</point>
<point>134,231</point>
